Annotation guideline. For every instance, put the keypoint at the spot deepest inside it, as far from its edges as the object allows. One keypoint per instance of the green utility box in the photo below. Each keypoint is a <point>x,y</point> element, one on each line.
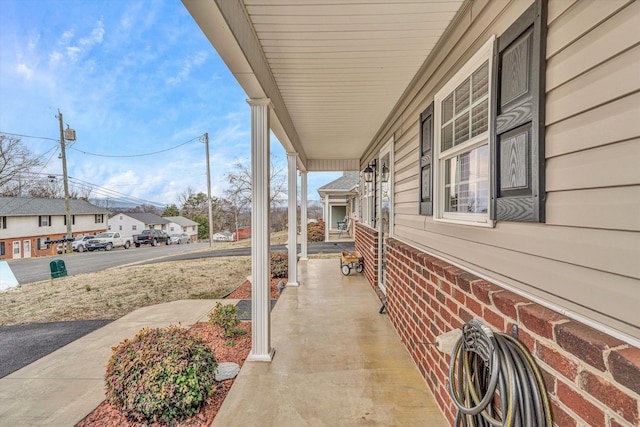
<point>58,269</point>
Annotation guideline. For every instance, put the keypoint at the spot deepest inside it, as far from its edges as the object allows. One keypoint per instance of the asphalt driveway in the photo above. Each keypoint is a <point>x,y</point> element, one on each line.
<point>22,344</point>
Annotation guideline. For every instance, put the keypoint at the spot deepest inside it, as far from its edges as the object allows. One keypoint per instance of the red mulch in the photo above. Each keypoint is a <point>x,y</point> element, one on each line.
<point>107,416</point>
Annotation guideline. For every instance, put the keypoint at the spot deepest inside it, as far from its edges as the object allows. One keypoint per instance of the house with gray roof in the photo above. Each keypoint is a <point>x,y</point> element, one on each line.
<point>339,201</point>
<point>130,223</point>
<point>180,224</point>
<point>27,224</point>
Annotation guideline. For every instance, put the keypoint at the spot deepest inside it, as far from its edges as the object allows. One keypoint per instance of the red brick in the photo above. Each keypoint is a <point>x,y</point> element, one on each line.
<point>464,281</point>
<point>538,319</point>
<point>483,290</point>
<point>507,302</point>
<point>549,380</point>
<point>557,361</point>
<point>615,423</point>
<point>493,318</point>
<point>625,367</point>
<point>439,266</point>
<point>560,417</point>
<point>474,306</point>
<point>625,405</point>
<point>586,410</point>
<point>465,315</point>
<point>526,338</point>
<point>586,343</point>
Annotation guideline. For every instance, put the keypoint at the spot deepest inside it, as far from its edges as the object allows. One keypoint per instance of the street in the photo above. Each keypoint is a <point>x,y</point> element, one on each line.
<point>31,270</point>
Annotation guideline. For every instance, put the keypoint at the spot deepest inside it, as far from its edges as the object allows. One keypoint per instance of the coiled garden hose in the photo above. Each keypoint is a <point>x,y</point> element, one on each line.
<point>494,381</point>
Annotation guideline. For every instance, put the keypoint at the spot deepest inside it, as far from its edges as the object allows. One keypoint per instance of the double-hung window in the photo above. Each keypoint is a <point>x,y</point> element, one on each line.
<point>461,144</point>
<point>482,139</point>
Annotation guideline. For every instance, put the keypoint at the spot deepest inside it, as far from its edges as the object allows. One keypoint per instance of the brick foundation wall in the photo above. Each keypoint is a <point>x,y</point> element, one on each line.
<point>592,379</point>
<point>366,242</point>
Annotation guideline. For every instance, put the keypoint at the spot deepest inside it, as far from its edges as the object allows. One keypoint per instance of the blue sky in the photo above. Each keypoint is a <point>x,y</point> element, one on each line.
<point>131,77</point>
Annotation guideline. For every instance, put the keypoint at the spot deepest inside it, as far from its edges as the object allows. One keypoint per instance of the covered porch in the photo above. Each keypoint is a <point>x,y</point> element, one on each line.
<point>337,362</point>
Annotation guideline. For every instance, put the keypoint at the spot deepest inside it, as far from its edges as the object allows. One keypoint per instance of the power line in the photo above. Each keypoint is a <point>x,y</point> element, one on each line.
<point>136,155</point>
<point>29,136</point>
<point>103,191</point>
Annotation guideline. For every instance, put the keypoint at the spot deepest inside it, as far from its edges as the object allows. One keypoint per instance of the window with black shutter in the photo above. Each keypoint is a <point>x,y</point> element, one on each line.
<point>517,143</point>
<point>426,158</point>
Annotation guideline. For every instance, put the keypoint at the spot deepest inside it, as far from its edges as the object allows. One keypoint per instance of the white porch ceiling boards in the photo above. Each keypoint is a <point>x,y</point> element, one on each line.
<point>334,69</point>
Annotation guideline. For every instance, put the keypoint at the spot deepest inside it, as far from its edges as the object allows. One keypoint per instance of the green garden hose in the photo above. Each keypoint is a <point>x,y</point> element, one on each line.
<point>494,381</point>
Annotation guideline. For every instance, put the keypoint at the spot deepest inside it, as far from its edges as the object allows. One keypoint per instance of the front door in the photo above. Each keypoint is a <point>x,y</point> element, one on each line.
<point>385,225</point>
<point>26,245</point>
<point>16,250</point>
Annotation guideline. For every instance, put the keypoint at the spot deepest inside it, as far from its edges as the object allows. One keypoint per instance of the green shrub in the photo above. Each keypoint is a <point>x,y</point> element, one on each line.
<point>225,317</point>
<point>279,265</point>
<point>315,231</point>
<point>161,375</point>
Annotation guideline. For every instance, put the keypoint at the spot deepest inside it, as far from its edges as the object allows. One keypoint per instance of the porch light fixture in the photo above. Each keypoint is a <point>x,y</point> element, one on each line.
<point>370,171</point>
<point>384,173</point>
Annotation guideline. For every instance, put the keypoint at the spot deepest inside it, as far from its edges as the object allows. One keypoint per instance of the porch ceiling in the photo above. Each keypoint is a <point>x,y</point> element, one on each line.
<point>333,69</point>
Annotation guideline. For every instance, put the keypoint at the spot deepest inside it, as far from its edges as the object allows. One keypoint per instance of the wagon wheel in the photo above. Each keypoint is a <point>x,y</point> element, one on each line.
<point>346,270</point>
<point>360,268</point>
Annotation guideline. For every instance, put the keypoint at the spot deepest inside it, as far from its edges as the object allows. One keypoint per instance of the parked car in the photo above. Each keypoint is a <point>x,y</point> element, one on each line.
<point>150,237</point>
<point>78,244</point>
<point>177,239</point>
<point>108,241</point>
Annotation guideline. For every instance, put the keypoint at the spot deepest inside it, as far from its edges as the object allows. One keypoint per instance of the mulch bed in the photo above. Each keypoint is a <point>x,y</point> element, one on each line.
<point>107,416</point>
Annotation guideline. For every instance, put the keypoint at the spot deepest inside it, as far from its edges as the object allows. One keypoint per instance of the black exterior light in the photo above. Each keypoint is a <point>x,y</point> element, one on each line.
<point>370,171</point>
<point>384,173</point>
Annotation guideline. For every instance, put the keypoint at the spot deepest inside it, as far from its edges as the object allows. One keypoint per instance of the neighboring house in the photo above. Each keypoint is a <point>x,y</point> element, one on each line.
<point>510,133</point>
<point>26,224</point>
<point>340,200</point>
<point>130,223</point>
<point>223,236</point>
<point>180,224</point>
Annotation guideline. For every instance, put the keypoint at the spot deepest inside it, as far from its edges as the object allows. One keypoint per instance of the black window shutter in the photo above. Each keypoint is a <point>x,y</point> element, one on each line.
<point>426,161</point>
<point>39,221</point>
<point>517,140</point>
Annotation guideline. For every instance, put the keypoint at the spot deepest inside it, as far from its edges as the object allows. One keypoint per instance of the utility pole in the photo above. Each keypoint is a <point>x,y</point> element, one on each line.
<point>206,143</point>
<point>71,137</point>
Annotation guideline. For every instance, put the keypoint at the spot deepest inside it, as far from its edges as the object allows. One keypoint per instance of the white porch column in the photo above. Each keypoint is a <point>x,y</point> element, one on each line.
<point>293,219</point>
<point>260,233</point>
<point>327,225</point>
<point>303,216</point>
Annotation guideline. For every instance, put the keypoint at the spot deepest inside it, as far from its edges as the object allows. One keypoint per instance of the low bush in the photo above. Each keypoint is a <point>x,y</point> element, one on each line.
<point>279,265</point>
<point>315,231</point>
<point>161,375</point>
<point>225,317</point>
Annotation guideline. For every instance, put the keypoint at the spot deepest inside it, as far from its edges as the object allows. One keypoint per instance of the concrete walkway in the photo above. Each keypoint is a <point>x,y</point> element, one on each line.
<point>337,363</point>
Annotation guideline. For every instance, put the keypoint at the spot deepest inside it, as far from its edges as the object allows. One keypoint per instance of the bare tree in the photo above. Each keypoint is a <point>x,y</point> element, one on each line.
<point>15,160</point>
<point>239,180</point>
<point>45,188</point>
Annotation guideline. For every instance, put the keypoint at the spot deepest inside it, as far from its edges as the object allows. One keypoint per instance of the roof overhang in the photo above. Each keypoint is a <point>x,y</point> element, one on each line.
<point>333,71</point>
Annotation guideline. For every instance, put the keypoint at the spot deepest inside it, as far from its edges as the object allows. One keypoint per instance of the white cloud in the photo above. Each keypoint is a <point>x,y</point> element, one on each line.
<point>24,70</point>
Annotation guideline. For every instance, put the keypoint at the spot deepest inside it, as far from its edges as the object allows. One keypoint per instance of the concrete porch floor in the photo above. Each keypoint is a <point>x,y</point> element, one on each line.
<point>337,362</point>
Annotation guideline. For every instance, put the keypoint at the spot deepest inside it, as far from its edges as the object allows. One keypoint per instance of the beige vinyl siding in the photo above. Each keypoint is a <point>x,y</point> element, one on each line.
<point>586,257</point>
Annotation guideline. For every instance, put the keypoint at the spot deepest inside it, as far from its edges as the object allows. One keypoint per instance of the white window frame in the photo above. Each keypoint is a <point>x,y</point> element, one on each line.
<point>484,54</point>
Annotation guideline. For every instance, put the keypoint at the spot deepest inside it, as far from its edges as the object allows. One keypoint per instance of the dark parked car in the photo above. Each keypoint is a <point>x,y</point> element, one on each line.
<point>150,237</point>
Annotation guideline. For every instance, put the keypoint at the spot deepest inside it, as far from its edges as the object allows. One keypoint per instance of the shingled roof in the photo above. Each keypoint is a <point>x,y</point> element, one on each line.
<point>25,206</point>
<point>146,218</point>
<point>346,183</point>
